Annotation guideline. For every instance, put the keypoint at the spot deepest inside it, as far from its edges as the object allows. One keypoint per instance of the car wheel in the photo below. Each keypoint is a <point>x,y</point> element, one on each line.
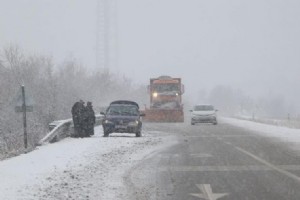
<point>138,134</point>
<point>215,123</point>
<point>192,123</point>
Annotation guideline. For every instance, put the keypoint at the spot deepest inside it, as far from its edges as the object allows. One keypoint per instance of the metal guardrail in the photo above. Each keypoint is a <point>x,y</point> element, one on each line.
<point>62,129</point>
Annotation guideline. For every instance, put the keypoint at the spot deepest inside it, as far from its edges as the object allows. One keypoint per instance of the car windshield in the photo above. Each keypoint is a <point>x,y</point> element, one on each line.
<point>203,108</point>
<point>123,110</point>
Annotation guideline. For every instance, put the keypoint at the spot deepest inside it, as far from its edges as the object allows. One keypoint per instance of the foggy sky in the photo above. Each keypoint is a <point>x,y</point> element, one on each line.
<point>252,45</point>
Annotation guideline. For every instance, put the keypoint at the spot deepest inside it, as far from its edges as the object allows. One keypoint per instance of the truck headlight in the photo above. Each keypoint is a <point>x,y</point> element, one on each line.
<point>155,94</point>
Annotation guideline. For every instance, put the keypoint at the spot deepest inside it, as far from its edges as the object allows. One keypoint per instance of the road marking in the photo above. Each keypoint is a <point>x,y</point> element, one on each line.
<point>201,155</point>
<point>214,168</point>
<point>218,136</point>
<point>198,155</point>
<point>229,168</point>
<point>207,193</point>
<point>280,170</point>
<point>229,143</point>
<point>167,155</point>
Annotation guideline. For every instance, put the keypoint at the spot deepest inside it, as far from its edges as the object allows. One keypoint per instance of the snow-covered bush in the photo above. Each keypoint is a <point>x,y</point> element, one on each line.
<point>54,88</point>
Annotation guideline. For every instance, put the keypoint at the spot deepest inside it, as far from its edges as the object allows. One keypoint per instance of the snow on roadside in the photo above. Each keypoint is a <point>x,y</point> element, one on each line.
<point>283,133</point>
<point>88,168</point>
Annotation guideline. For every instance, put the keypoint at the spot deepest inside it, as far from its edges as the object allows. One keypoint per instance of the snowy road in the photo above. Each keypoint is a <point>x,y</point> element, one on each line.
<point>235,160</point>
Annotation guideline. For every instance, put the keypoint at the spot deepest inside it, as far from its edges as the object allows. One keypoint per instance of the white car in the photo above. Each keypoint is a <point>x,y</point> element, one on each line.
<point>204,114</point>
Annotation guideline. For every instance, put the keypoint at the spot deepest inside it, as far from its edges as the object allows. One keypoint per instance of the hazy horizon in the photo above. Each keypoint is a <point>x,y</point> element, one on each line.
<point>249,45</point>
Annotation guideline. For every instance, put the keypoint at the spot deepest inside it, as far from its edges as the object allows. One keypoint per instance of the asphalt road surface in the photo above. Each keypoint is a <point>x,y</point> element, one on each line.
<point>219,162</point>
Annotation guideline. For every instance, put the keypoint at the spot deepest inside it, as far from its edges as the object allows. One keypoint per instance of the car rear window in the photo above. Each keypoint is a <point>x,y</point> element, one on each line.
<point>203,108</point>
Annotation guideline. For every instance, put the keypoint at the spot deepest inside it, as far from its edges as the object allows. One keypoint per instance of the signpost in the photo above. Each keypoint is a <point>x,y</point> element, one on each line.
<point>22,107</point>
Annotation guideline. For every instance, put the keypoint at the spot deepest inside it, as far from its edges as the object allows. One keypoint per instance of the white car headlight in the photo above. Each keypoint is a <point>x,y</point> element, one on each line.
<point>134,123</point>
<point>108,122</point>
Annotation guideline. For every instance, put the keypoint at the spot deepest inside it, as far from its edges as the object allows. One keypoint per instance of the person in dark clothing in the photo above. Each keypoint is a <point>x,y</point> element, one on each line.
<point>90,119</point>
<point>84,122</point>
<point>78,118</point>
<point>82,119</point>
<point>75,117</point>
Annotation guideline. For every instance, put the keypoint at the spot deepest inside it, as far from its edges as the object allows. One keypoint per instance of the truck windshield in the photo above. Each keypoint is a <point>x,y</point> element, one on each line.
<point>169,87</point>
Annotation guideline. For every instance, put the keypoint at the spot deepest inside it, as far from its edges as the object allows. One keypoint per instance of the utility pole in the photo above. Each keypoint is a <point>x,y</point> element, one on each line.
<point>102,35</point>
<point>106,36</point>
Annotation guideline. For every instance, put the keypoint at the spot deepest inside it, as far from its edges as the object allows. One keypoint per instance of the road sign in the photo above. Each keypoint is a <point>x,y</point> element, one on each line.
<point>20,101</point>
<point>20,109</point>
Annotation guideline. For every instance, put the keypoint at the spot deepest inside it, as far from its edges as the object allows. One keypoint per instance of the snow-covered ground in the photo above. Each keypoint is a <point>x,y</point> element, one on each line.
<point>293,122</point>
<point>88,168</point>
<point>282,133</point>
<point>96,167</point>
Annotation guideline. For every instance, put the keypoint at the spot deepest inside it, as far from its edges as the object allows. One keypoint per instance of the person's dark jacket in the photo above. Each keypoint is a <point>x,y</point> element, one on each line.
<point>91,119</point>
<point>76,113</point>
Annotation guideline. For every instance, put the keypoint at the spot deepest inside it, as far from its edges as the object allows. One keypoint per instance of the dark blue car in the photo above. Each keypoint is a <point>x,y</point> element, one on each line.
<point>122,117</point>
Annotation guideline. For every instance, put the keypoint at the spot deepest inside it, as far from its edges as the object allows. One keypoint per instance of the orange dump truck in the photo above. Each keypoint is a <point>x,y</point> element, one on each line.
<point>165,100</point>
